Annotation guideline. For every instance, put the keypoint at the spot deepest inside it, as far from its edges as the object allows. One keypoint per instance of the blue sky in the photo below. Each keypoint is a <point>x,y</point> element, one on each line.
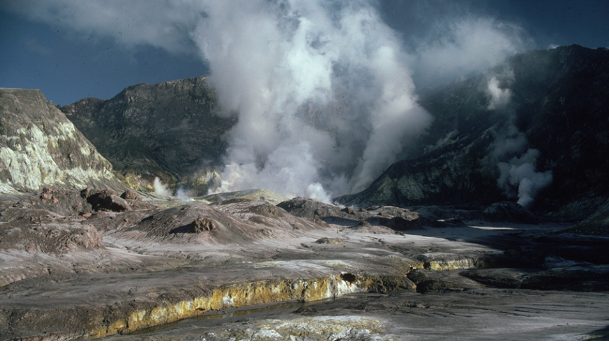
<point>68,66</point>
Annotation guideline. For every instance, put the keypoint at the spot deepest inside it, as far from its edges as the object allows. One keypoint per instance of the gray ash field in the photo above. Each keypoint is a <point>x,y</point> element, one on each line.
<point>247,269</point>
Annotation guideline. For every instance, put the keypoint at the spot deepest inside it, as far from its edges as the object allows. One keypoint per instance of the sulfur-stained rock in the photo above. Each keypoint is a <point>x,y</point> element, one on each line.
<point>203,224</point>
<point>40,147</point>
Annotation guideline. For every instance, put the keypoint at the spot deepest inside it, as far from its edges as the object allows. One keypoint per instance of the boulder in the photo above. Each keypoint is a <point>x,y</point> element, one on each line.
<point>203,224</point>
<point>107,200</point>
<point>130,194</point>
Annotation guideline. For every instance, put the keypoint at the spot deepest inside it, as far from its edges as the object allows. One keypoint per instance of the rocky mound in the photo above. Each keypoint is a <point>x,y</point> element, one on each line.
<point>237,222</point>
<point>57,221</point>
<point>39,230</point>
<point>308,208</point>
<point>105,200</point>
<point>267,215</point>
<point>40,147</point>
<point>245,195</point>
<point>173,130</point>
<point>392,217</point>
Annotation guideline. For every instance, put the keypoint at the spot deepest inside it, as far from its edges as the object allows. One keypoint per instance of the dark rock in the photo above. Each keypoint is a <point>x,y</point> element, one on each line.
<point>46,194</point>
<point>395,218</point>
<point>307,208</point>
<point>575,278</point>
<point>107,200</point>
<point>392,284</point>
<point>509,212</point>
<point>85,193</point>
<point>503,278</point>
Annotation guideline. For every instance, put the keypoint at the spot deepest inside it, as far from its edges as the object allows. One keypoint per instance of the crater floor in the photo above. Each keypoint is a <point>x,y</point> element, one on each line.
<point>243,269</point>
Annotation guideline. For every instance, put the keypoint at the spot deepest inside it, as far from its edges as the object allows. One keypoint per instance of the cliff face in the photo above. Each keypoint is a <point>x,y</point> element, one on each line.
<point>558,104</point>
<point>173,130</point>
<point>40,147</point>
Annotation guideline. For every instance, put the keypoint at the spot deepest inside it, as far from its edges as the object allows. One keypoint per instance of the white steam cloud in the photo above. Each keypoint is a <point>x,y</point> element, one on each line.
<point>464,46</point>
<point>160,188</point>
<point>322,91</point>
<point>518,176</point>
<point>520,172</point>
<point>499,97</point>
<point>325,99</point>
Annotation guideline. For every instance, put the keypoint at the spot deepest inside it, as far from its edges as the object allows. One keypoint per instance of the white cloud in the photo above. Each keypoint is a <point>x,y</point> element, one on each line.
<point>159,23</point>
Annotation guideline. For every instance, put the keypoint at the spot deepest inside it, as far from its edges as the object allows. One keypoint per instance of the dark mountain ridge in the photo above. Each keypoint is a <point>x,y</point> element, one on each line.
<point>559,102</point>
<point>172,130</point>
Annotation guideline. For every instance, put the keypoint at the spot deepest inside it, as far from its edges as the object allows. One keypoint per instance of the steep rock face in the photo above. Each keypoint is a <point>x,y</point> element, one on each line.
<point>451,175</point>
<point>597,223</point>
<point>173,130</point>
<point>558,102</point>
<point>39,146</point>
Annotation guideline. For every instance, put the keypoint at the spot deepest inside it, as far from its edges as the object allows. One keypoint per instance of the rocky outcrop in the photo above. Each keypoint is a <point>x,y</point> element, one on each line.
<point>596,224</point>
<point>173,130</point>
<point>509,212</point>
<point>39,230</point>
<point>395,218</point>
<point>40,147</point>
<point>246,195</point>
<point>233,223</point>
<point>130,194</point>
<point>448,176</point>
<point>128,317</point>
<point>107,200</point>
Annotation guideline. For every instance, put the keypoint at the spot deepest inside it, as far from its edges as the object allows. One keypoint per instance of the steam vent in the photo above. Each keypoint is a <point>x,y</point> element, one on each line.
<point>233,170</point>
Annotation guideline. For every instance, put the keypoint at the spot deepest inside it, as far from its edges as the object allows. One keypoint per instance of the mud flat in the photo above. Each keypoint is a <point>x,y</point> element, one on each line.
<point>247,269</point>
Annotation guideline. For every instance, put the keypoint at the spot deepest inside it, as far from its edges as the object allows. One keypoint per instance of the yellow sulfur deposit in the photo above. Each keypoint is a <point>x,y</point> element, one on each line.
<point>239,295</point>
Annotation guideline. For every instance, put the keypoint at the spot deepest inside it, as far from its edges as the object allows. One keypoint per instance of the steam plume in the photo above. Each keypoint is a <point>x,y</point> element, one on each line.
<point>518,176</point>
<point>322,90</point>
